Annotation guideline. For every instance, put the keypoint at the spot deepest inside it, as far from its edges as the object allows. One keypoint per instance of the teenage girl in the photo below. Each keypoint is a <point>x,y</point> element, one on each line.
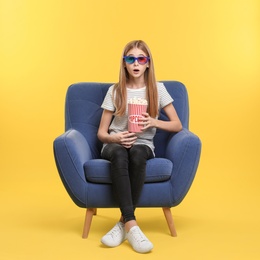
<point>128,152</point>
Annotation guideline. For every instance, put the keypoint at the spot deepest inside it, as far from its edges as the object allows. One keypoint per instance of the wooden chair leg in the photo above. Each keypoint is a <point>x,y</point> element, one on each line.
<point>169,219</point>
<point>88,219</point>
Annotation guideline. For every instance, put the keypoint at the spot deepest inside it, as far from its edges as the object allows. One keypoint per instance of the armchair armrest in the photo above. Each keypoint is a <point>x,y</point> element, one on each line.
<point>183,149</point>
<point>71,151</point>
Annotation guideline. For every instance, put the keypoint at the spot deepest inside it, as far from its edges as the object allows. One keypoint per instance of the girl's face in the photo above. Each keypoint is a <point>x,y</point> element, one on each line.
<point>135,69</point>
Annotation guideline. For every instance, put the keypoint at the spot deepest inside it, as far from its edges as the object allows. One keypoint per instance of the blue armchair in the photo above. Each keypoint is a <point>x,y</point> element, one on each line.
<point>86,176</point>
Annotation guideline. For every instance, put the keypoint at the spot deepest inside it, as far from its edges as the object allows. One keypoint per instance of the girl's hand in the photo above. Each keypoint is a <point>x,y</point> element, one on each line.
<point>171,125</point>
<point>146,121</point>
<point>125,138</point>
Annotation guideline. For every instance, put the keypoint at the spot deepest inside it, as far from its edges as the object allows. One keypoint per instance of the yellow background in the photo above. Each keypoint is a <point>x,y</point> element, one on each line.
<point>210,46</point>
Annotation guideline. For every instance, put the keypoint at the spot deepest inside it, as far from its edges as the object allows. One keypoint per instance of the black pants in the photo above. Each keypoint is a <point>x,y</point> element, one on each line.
<point>128,167</point>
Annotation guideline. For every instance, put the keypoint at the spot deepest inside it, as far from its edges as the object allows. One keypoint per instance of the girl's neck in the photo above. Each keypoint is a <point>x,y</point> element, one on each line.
<point>135,84</point>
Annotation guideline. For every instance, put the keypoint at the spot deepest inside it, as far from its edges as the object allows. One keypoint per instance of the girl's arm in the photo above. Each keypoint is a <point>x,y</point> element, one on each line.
<point>124,138</point>
<point>173,125</point>
<point>105,121</point>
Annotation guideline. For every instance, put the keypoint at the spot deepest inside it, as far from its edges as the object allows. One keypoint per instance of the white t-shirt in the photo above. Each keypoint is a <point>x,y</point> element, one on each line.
<point>119,123</point>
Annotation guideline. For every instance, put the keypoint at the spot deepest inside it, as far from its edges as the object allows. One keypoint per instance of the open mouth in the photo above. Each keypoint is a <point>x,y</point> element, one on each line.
<point>136,70</point>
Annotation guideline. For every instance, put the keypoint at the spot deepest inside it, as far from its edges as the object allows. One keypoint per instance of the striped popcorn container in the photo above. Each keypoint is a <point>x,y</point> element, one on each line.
<point>134,113</point>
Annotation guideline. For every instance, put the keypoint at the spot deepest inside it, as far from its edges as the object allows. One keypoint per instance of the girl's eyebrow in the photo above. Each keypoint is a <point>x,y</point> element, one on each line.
<point>137,55</point>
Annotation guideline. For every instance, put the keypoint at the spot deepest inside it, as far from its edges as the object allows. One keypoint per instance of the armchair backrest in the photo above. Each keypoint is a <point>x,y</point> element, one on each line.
<point>83,112</point>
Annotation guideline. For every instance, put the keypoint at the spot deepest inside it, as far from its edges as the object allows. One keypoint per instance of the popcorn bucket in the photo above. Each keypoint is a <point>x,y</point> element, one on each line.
<point>134,113</point>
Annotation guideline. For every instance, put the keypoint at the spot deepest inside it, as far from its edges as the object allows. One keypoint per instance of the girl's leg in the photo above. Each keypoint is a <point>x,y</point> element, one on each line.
<point>138,156</point>
<point>118,156</point>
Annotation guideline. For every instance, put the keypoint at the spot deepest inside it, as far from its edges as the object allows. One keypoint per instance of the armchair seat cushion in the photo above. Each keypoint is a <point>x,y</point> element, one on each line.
<point>157,170</point>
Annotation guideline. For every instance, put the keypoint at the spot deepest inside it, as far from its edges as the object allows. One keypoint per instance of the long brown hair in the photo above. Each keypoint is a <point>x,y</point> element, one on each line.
<point>120,93</point>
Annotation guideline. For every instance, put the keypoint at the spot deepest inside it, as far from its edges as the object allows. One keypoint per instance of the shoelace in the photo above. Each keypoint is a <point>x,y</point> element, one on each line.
<point>115,231</point>
<point>138,236</point>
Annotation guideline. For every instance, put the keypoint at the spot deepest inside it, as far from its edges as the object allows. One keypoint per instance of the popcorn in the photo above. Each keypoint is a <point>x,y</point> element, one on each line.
<point>138,101</point>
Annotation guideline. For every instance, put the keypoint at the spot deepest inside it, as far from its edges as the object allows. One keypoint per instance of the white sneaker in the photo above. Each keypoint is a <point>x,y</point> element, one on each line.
<point>115,236</point>
<point>138,240</point>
